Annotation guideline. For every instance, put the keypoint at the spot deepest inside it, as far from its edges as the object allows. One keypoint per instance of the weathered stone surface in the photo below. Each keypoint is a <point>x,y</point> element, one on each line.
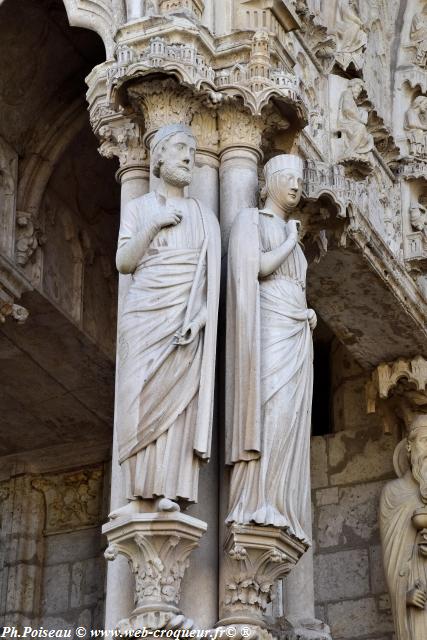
<point>360,456</point>
<point>67,547</point>
<point>319,462</point>
<point>344,574</point>
<point>353,519</point>
<point>56,589</point>
<point>358,618</point>
<point>87,582</point>
<point>378,583</point>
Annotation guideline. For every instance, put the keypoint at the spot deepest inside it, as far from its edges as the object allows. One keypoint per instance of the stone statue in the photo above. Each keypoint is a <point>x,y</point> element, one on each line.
<point>416,126</point>
<point>141,8</point>
<point>270,359</point>
<point>350,32</point>
<point>403,521</point>
<point>418,36</point>
<point>352,120</point>
<point>167,332</point>
<point>418,217</point>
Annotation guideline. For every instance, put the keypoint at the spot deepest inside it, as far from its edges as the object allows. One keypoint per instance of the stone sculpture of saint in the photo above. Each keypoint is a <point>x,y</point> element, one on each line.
<point>416,125</point>
<point>269,359</point>
<point>418,36</point>
<point>403,522</point>
<point>350,31</point>
<point>170,244</point>
<point>352,120</point>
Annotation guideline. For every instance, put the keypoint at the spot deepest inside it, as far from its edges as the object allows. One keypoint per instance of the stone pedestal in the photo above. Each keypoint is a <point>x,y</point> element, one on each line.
<point>256,557</point>
<point>157,546</point>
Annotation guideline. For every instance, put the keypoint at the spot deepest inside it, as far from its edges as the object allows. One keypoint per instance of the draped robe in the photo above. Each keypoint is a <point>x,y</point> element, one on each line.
<point>269,379</point>
<point>403,564</point>
<point>165,391</point>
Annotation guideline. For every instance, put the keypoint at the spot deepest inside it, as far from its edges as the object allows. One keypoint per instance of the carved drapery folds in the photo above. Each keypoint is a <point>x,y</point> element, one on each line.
<point>415,125</point>
<point>356,141</point>
<point>351,35</point>
<point>418,37</point>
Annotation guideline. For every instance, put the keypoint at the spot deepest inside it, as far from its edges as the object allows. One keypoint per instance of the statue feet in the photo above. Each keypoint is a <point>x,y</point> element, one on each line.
<point>132,507</point>
<point>165,504</point>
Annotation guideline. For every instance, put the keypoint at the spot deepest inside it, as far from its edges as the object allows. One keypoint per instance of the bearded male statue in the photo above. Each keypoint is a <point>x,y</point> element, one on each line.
<point>403,522</point>
<point>170,244</point>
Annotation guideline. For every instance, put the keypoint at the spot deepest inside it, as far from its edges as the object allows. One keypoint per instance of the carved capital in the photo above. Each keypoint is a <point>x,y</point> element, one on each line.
<point>161,103</point>
<point>157,547</point>
<point>205,128</point>
<point>256,557</point>
<point>238,128</point>
<point>73,500</point>
<point>122,138</point>
<point>398,390</point>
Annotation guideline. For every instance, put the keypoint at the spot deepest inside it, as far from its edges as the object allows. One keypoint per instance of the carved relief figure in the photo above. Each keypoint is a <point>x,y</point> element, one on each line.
<point>403,520</point>
<point>416,126</point>
<point>418,36</point>
<point>350,32</point>
<point>270,359</point>
<point>418,216</point>
<point>141,8</point>
<point>352,120</point>
<point>167,332</point>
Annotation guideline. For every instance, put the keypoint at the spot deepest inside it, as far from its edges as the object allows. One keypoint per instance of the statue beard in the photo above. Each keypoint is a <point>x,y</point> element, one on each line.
<point>176,176</point>
<point>419,471</point>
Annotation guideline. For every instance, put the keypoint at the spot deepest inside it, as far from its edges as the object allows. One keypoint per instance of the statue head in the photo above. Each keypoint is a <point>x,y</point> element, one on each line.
<point>173,151</point>
<point>284,180</point>
<point>356,85</point>
<point>417,451</point>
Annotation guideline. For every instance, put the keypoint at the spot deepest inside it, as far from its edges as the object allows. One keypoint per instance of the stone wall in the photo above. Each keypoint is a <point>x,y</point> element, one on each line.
<point>349,469</point>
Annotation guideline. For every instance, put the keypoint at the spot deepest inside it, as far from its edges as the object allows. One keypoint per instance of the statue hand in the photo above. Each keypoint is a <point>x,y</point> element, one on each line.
<point>187,334</point>
<point>167,218</point>
<point>312,318</point>
<point>293,229</point>
<point>416,597</point>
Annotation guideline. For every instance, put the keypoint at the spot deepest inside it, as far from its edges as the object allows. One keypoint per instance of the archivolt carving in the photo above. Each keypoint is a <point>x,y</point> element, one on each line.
<point>101,16</point>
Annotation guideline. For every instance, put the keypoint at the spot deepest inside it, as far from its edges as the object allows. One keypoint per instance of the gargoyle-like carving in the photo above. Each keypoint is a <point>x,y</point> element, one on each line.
<point>29,236</point>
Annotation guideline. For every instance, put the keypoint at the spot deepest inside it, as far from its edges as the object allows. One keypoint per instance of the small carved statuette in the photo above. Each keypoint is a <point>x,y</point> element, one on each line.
<point>416,126</point>
<point>418,36</point>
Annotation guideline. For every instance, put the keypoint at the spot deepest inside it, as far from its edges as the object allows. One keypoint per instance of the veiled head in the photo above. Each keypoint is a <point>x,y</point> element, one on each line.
<point>284,180</point>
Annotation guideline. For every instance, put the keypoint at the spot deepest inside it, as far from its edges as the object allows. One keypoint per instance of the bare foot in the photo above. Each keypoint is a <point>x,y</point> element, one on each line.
<point>164,504</point>
<point>133,506</point>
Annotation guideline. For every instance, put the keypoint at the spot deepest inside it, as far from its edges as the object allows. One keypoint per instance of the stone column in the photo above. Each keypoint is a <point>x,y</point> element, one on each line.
<point>22,524</point>
<point>122,139</point>
<point>136,537</point>
<point>240,152</point>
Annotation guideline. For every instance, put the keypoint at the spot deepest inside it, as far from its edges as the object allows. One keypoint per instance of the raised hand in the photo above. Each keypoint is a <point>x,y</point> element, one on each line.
<point>167,218</point>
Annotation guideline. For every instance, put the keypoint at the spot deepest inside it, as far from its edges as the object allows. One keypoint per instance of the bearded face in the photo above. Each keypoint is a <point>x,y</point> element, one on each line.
<point>177,160</point>
<point>418,454</point>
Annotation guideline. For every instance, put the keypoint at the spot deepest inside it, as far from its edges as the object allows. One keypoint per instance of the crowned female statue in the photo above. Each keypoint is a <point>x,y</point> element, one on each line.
<point>167,332</point>
<point>270,359</point>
